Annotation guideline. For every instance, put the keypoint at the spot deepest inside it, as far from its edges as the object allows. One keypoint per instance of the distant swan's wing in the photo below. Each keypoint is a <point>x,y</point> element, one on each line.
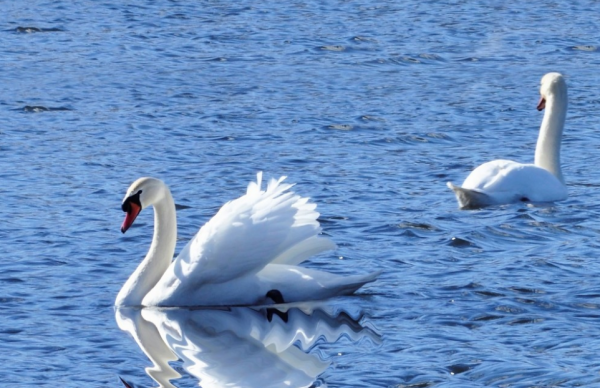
<point>493,176</point>
<point>261,227</point>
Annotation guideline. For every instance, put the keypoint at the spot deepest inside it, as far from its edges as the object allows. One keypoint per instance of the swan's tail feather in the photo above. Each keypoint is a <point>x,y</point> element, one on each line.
<point>350,284</point>
<point>301,284</point>
<point>469,199</point>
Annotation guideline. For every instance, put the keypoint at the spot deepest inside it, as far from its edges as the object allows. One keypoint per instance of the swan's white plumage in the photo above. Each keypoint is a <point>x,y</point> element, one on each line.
<point>251,246</point>
<point>504,181</point>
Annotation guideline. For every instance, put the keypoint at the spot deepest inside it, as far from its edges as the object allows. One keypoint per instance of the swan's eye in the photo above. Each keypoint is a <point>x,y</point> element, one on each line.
<point>135,198</point>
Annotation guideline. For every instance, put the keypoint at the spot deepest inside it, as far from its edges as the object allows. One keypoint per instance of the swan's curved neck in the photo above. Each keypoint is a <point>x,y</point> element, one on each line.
<point>159,256</point>
<point>547,151</point>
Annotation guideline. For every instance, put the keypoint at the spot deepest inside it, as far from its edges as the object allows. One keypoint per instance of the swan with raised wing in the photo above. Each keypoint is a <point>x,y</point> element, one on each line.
<point>504,181</point>
<point>247,254</point>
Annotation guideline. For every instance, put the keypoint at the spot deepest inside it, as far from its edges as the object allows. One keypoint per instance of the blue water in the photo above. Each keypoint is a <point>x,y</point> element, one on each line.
<point>370,107</point>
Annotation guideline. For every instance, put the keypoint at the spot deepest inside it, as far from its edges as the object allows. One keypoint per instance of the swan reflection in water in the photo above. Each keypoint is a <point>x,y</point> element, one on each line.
<point>239,346</point>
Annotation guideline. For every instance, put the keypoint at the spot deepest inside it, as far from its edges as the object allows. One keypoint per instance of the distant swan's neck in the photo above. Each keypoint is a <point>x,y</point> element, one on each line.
<point>547,151</point>
<point>159,256</point>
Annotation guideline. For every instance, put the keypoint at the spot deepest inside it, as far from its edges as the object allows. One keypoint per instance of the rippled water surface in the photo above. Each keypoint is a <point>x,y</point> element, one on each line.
<point>370,107</point>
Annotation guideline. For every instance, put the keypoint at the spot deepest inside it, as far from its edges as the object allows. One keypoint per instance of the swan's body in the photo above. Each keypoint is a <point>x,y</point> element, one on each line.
<point>504,181</point>
<point>247,254</point>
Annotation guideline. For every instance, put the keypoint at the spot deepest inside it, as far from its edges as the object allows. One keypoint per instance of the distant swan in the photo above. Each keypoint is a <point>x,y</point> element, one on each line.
<point>247,254</point>
<point>504,181</point>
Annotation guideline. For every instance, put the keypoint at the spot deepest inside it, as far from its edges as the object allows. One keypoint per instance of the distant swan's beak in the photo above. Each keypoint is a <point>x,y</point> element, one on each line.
<point>132,213</point>
<point>542,104</point>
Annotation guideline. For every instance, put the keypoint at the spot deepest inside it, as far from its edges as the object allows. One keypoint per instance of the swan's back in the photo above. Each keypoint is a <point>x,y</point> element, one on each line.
<point>526,182</point>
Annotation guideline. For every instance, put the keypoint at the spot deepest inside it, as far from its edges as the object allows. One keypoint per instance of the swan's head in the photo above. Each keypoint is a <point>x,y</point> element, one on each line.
<point>142,193</point>
<point>551,85</point>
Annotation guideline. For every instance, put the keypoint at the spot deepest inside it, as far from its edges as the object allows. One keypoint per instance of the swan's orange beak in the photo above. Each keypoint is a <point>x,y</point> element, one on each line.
<point>542,104</point>
<point>132,213</point>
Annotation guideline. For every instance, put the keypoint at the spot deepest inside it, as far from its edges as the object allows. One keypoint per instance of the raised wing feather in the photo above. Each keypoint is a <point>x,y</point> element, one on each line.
<point>247,234</point>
